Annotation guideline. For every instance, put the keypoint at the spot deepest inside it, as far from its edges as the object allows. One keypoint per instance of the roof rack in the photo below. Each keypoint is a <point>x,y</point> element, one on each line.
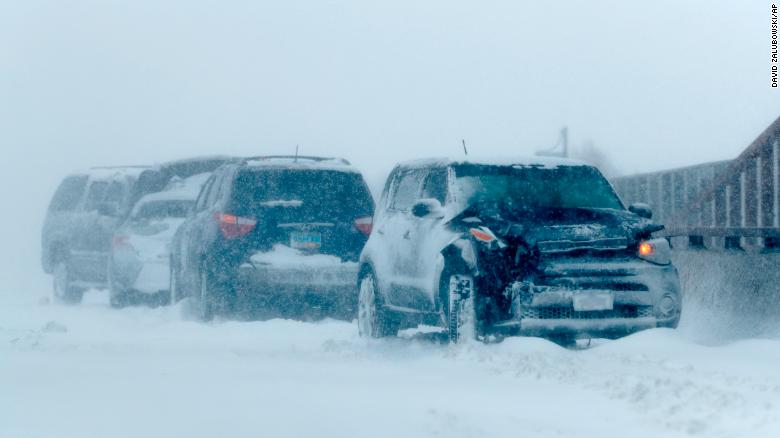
<point>297,158</point>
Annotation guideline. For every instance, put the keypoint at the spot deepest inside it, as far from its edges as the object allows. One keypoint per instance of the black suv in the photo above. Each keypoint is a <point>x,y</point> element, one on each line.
<point>503,247</point>
<point>277,232</point>
<point>86,210</point>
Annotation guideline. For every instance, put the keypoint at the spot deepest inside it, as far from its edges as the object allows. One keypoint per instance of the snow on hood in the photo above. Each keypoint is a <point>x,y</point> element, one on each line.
<point>282,256</point>
<point>564,224</point>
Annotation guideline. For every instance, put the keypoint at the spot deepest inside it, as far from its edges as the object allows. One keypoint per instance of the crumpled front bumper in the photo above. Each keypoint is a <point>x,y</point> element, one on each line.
<point>637,289</point>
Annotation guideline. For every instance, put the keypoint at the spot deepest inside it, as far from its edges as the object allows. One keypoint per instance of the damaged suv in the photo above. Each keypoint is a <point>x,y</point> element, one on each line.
<point>536,247</point>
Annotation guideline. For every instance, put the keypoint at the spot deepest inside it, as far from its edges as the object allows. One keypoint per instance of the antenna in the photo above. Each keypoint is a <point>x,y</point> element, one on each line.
<point>296,154</point>
<point>563,142</point>
<point>465,151</point>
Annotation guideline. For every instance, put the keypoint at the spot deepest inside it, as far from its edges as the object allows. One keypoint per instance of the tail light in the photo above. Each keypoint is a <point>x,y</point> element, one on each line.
<point>119,241</point>
<point>364,224</point>
<point>483,234</point>
<point>234,226</point>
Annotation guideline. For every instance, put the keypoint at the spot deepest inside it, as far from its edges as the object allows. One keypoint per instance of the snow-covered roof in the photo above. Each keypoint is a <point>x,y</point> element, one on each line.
<point>178,190</point>
<point>106,173</point>
<point>302,163</point>
<point>546,162</point>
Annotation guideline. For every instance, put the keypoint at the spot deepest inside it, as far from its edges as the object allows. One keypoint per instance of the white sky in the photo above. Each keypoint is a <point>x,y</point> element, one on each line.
<point>654,84</point>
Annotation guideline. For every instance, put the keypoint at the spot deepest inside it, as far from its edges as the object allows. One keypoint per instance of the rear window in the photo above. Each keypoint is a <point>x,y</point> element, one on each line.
<point>163,209</point>
<point>68,193</point>
<point>328,191</point>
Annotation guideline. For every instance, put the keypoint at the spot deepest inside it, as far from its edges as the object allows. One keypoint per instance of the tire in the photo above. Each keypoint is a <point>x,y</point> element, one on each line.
<point>374,321</point>
<point>173,285</point>
<point>461,320</point>
<point>205,309</point>
<point>118,299</point>
<point>214,298</point>
<point>63,291</point>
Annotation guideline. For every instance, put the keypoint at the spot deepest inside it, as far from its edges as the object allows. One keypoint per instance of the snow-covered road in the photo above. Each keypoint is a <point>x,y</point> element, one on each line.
<point>91,371</point>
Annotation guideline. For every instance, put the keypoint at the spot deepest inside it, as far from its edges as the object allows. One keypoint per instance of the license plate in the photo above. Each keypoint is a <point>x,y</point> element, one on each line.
<point>593,301</point>
<point>300,240</point>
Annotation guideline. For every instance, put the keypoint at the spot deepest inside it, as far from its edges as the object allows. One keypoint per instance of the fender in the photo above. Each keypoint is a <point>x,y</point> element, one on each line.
<point>459,253</point>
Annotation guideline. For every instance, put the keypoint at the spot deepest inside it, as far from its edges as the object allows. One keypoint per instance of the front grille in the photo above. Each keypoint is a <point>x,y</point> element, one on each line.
<point>560,312</point>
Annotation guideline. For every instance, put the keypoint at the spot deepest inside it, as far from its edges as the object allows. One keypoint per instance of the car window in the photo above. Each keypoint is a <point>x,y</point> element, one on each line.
<point>162,209</point>
<point>435,186</point>
<point>407,190</point>
<point>200,204</point>
<point>216,189</point>
<point>69,193</point>
<point>96,194</point>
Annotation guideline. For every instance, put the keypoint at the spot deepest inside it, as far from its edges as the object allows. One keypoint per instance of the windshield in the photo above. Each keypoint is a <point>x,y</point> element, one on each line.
<point>536,187</point>
<point>162,209</point>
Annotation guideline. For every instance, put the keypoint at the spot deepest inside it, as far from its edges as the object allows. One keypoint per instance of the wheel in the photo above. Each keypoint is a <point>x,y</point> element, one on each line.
<point>117,298</point>
<point>173,286</point>
<point>214,298</point>
<point>461,317</point>
<point>374,321</point>
<point>205,302</point>
<point>64,291</point>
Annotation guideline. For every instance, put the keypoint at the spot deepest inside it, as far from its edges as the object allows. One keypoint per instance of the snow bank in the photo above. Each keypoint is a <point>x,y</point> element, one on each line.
<point>93,371</point>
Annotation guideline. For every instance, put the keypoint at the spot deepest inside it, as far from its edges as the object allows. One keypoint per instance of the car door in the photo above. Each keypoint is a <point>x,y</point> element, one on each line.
<point>86,256</point>
<point>60,225</point>
<point>428,237</point>
<point>398,227</point>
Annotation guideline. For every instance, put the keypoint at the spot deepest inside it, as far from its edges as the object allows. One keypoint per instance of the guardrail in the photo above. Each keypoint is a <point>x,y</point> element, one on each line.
<point>735,201</point>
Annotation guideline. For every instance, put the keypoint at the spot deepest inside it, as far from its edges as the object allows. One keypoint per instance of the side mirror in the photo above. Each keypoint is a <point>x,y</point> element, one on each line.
<point>426,207</point>
<point>108,209</point>
<point>641,209</point>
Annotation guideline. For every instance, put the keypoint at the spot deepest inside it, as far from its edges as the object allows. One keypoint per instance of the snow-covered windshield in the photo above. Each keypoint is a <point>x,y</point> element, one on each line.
<point>163,209</point>
<point>536,187</point>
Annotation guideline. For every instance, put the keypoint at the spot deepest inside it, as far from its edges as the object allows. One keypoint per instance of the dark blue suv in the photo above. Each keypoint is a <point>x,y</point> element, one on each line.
<point>277,233</point>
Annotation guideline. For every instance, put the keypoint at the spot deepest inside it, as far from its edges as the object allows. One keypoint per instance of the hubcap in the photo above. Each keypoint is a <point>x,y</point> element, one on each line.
<point>367,315</point>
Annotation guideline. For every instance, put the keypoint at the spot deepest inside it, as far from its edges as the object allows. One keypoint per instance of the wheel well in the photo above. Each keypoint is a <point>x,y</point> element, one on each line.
<point>452,261</point>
